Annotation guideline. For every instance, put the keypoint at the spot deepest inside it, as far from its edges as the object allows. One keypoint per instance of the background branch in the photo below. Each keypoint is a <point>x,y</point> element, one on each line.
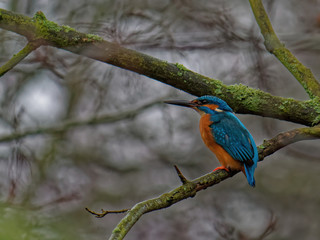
<point>66,125</point>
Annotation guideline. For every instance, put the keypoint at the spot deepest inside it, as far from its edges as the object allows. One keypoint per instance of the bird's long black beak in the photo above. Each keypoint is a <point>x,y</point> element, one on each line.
<point>182,103</point>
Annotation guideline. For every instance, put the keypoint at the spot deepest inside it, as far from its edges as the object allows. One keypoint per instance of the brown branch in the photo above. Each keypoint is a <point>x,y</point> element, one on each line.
<point>270,227</point>
<point>183,179</point>
<point>104,212</point>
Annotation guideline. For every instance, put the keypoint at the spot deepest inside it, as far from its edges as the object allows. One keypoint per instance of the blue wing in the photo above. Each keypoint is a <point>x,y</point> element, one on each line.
<point>234,138</point>
<point>232,135</point>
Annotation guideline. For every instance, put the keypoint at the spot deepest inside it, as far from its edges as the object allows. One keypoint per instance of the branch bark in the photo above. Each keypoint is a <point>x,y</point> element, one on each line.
<point>241,98</point>
<point>274,46</point>
<point>31,46</point>
<point>283,139</point>
<point>187,190</point>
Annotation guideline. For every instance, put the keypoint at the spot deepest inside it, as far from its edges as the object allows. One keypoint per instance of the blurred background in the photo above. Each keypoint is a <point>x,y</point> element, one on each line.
<point>47,179</point>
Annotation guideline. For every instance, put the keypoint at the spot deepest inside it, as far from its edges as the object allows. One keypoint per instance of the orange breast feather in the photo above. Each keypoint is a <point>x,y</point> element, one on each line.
<point>224,158</point>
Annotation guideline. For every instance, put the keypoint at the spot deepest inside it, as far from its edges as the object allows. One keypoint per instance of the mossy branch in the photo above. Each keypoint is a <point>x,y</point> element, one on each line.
<point>283,139</point>
<point>31,46</point>
<point>274,46</point>
<point>189,188</point>
<point>241,98</point>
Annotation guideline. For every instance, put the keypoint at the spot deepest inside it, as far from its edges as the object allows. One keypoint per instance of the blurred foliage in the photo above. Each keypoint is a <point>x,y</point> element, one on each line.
<point>47,180</point>
<point>21,223</point>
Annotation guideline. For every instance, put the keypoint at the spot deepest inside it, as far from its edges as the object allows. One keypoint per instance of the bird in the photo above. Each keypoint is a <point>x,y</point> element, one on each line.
<point>225,135</point>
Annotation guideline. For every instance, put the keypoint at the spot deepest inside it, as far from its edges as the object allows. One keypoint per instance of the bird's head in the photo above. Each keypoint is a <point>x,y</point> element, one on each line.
<point>204,105</point>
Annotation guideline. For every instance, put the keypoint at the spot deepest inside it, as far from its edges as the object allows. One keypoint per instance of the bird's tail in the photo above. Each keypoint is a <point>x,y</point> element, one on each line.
<point>249,174</point>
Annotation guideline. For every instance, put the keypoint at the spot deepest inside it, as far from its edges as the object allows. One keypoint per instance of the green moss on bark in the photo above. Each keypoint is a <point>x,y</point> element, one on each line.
<point>274,46</point>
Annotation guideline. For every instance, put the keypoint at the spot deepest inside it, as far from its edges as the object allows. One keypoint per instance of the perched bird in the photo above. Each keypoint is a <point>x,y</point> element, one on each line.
<point>224,135</point>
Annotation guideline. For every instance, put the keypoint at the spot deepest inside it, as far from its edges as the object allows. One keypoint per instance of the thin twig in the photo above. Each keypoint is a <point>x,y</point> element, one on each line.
<point>104,212</point>
<point>183,179</point>
<point>270,228</point>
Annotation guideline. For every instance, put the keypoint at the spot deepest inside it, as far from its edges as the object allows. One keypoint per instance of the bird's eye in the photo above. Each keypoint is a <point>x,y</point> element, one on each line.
<point>203,101</point>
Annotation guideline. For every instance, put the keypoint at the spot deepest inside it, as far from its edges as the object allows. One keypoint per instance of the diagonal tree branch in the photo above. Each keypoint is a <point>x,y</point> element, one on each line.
<point>190,188</point>
<point>274,46</point>
<point>31,46</point>
<point>283,139</point>
<point>187,190</point>
<point>241,98</point>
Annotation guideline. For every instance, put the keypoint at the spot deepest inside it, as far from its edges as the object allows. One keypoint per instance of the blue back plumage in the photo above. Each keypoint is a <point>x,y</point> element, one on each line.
<point>232,135</point>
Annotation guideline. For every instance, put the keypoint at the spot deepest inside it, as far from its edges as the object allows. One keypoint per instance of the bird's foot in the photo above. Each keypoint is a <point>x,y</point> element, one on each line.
<point>221,168</point>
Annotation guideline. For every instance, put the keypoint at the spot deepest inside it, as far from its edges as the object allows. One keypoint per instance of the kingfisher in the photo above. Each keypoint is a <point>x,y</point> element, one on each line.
<point>225,135</point>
